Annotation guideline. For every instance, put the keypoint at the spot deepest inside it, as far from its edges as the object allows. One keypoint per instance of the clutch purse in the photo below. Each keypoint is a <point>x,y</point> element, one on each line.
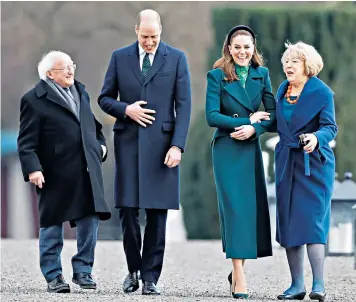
<point>301,140</point>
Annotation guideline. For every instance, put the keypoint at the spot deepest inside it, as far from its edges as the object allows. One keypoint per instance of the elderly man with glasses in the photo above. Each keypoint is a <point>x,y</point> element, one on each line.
<point>61,148</point>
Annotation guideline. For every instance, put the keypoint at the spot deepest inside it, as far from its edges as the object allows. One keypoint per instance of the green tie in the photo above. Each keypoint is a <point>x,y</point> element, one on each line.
<point>146,65</point>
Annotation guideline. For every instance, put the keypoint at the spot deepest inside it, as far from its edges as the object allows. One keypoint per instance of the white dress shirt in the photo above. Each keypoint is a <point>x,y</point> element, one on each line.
<point>104,150</point>
<point>142,53</point>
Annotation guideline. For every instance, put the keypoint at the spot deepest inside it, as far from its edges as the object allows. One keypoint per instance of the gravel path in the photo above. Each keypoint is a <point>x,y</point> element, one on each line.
<point>193,271</point>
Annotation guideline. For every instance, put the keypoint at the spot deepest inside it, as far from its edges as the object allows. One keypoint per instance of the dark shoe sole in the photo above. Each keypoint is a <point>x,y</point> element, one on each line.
<point>61,290</point>
<point>151,294</point>
<point>131,289</point>
<point>240,296</point>
<point>317,296</point>
<point>89,286</point>
<point>292,297</point>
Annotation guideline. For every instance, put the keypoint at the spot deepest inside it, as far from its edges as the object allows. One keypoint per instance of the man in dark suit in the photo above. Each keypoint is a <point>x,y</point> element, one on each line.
<point>150,131</point>
<point>61,148</point>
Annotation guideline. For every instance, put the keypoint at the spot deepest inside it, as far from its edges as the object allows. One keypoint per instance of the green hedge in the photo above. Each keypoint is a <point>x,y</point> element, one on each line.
<point>332,33</point>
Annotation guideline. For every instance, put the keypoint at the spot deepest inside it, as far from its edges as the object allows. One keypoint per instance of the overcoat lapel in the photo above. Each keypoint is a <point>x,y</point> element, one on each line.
<point>246,96</point>
<point>134,62</point>
<point>254,86</point>
<point>42,88</point>
<point>305,109</point>
<point>158,62</point>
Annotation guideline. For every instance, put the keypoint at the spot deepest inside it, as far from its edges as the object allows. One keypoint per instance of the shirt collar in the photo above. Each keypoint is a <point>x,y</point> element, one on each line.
<point>141,51</point>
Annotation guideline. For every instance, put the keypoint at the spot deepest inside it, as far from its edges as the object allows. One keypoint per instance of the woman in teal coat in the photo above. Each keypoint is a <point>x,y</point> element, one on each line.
<point>236,87</point>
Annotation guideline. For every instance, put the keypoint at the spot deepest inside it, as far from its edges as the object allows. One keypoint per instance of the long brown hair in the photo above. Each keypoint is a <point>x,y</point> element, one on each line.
<point>226,62</point>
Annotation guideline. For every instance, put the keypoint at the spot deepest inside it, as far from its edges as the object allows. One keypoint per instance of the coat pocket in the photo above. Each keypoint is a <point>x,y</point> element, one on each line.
<point>167,126</point>
<point>321,156</point>
<point>163,74</point>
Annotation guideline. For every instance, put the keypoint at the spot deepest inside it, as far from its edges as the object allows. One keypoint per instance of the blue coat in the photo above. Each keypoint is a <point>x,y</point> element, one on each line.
<point>141,178</point>
<point>304,183</point>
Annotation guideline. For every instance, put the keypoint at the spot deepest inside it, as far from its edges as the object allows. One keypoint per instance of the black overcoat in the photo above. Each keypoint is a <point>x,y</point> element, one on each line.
<point>68,152</point>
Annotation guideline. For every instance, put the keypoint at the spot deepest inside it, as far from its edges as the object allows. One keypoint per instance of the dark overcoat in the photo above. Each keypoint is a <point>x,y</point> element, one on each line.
<point>238,165</point>
<point>68,152</point>
<point>142,179</point>
<point>304,183</point>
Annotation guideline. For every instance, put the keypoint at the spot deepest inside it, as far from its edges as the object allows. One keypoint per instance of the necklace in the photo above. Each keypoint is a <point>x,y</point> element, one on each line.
<point>289,90</point>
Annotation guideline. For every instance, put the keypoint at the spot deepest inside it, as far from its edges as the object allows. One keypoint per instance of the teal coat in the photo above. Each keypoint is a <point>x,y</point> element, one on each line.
<point>238,167</point>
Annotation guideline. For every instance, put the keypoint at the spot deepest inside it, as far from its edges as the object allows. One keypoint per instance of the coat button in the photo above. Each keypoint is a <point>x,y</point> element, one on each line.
<point>87,169</point>
<point>236,115</point>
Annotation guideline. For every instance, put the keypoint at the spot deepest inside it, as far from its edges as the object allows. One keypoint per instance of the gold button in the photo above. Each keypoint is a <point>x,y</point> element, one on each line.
<point>236,115</point>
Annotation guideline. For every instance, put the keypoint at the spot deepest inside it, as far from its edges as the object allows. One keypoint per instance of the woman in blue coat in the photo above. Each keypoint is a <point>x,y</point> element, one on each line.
<point>236,87</point>
<point>305,166</point>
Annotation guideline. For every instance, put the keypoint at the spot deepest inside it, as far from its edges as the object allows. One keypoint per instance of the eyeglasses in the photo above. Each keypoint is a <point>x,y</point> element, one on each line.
<point>67,67</point>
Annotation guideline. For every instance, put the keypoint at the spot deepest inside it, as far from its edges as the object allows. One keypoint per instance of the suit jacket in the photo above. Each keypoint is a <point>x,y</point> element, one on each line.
<point>67,151</point>
<point>141,178</point>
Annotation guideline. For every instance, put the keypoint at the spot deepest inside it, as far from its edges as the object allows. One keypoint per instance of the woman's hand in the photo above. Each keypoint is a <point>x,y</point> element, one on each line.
<point>259,116</point>
<point>311,140</point>
<point>243,132</point>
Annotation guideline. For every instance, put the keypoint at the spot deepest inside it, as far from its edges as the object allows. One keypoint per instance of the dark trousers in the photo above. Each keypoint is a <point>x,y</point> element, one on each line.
<point>151,261</point>
<point>51,245</point>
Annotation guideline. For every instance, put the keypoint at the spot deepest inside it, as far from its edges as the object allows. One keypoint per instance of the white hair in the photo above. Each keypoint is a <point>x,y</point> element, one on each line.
<point>48,60</point>
<point>313,62</point>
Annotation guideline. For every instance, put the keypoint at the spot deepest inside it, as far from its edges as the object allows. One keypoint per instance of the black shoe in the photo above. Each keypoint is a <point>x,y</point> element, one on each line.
<point>131,284</point>
<point>149,288</point>
<point>84,280</point>
<point>299,296</point>
<point>58,285</point>
<point>320,296</point>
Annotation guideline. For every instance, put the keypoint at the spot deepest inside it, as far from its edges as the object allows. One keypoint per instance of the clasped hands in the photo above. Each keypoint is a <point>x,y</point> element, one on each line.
<point>246,131</point>
<point>143,116</point>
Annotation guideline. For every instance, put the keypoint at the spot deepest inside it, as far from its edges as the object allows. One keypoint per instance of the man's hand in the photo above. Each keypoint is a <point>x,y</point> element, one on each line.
<point>311,141</point>
<point>173,157</point>
<point>243,132</point>
<point>140,115</point>
<point>259,116</point>
<point>37,178</point>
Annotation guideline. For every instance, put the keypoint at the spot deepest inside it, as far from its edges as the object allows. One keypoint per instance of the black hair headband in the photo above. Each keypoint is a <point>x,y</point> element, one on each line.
<point>240,27</point>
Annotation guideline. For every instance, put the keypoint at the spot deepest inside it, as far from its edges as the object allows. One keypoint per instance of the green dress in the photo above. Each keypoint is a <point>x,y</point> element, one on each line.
<point>238,165</point>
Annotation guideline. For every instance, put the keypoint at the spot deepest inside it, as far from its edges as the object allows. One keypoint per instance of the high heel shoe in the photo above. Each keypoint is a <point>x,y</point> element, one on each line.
<point>320,296</point>
<point>240,296</point>
<point>235,295</point>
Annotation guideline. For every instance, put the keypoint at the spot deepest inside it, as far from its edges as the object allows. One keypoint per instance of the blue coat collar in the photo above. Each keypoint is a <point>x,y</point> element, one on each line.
<point>311,101</point>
